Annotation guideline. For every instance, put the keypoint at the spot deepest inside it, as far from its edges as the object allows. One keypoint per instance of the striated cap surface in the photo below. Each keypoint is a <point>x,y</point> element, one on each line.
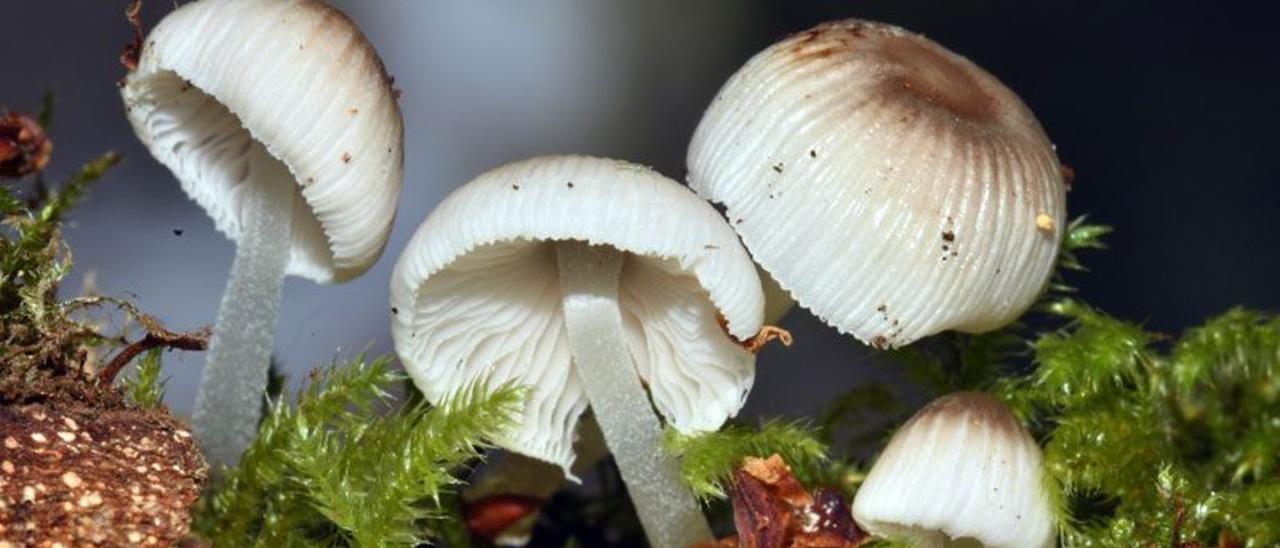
<point>894,188</point>
<point>229,93</point>
<point>961,468</point>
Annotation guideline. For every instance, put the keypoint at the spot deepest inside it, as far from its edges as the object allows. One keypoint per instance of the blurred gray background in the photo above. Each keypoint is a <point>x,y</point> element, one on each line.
<point>1167,111</point>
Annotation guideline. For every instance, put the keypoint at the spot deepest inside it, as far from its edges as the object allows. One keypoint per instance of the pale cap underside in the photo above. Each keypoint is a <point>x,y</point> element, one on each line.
<point>476,294</point>
<point>230,93</point>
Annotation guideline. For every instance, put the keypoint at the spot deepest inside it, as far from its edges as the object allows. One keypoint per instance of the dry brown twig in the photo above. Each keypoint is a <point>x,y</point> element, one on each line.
<point>156,337</point>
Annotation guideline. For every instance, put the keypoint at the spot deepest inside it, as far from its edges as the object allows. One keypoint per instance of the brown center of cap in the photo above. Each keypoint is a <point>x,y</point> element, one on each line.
<point>935,77</point>
<point>912,68</point>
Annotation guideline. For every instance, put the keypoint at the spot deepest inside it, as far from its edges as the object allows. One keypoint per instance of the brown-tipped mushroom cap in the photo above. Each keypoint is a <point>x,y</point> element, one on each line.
<point>962,468</point>
<point>893,187</point>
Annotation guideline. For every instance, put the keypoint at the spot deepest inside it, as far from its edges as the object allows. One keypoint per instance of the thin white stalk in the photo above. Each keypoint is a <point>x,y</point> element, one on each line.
<point>230,398</point>
<point>589,282</point>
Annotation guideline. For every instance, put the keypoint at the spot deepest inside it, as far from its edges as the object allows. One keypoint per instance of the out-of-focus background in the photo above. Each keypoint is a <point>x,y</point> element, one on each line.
<point>1167,111</point>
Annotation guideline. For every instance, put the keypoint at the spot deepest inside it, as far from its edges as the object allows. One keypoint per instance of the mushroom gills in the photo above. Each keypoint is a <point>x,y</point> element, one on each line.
<point>589,277</point>
<point>229,401</point>
<point>208,148</point>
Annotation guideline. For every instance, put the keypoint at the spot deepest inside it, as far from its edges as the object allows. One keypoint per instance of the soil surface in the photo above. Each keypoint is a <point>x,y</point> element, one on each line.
<point>78,475</point>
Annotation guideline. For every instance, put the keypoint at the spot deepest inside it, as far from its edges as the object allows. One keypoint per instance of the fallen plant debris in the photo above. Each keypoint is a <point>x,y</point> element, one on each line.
<point>132,51</point>
<point>24,147</point>
<point>771,509</point>
<point>488,517</point>
<point>757,342</point>
<point>156,337</point>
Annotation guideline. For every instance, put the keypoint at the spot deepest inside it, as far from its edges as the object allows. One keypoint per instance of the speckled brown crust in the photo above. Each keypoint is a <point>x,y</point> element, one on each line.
<point>74,476</point>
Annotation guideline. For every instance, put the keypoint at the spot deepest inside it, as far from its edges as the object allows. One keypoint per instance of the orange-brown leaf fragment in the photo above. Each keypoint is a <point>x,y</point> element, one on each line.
<point>764,336</point>
<point>774,472</point>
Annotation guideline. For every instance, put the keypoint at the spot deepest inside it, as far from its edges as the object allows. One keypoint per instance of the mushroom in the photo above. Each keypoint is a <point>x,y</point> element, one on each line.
<point>926,195</point>
<point>278,118</point>
<point>579,278</point>
<point>962,469</point>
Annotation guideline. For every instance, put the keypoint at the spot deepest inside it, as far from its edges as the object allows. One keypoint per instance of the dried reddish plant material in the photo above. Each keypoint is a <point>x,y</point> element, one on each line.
<point>1068,176</point>
<point>828,522</point>
<point>763,520</point>
<point>24,147</point>
<point>771,509</point>
<point>133,50</point>
<point>764,336</point>
<point>488,517</point>
<point>95,477</point>
<point>775,473</point>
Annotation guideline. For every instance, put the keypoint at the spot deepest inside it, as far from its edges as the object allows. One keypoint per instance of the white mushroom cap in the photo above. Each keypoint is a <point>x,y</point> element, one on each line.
<point>229,92</point>
<point>476,294</point>
<point>961,468</point>
<point>893,187</point>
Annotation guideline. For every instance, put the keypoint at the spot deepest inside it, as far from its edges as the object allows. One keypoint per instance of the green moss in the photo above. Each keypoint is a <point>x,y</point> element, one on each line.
<point>707,461</point>
<point>1146,435</point>
<point>144,388</point>
<point>44,339</point>
<point>344,467</point>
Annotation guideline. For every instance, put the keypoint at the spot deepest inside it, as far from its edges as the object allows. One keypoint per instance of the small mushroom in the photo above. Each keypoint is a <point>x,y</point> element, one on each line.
<point>249,103</point>
<point>894,188</point>
<point>962,468</point>
<point>585,295</point>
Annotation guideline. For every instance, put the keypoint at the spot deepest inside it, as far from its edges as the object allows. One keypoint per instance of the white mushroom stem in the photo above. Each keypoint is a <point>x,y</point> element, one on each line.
<point>589,282</point>
<point>229,401</point>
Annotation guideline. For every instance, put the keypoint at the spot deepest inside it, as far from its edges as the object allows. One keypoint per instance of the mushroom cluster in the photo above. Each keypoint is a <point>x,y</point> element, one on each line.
<point>278,118</point>
<point>885,183</point>
<point>890,186</point>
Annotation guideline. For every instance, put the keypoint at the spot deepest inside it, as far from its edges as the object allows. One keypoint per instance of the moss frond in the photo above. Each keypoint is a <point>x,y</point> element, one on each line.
<point>343,467</point>
<point>40,336</point>
<point>707,460</point>
<point>1148,444</point>
<point>145,389</point>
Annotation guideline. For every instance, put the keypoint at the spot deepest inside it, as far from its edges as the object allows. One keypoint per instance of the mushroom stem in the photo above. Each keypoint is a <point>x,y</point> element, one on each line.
<point>229,401</point>
<point>589,282</point>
